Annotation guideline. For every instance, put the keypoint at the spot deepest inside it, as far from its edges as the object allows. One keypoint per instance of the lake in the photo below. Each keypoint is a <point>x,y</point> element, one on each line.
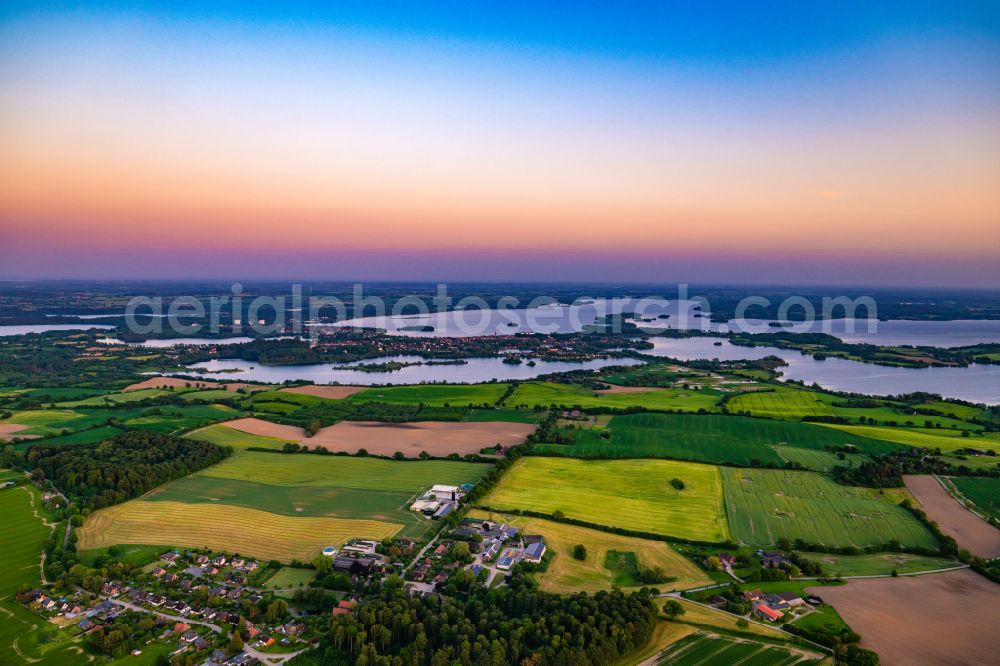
<point>176,342</point>
<point>43,328</point>
<point>976,383</point>
<point>678,315</point>
<point>475,370</point>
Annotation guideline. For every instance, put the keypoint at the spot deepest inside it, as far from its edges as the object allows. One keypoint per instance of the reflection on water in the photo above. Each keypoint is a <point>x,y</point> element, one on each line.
<point>474,370</point>
<point>42,328</point>
<point>178,342</point>
<point>975,383</point>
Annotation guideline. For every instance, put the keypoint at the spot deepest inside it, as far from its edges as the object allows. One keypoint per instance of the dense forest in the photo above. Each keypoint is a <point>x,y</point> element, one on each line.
<point>517,624</point>
<point>118,469</point>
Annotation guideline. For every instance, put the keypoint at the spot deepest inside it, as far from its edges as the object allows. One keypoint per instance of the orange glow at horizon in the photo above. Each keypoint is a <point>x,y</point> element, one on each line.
<point>247,148</point>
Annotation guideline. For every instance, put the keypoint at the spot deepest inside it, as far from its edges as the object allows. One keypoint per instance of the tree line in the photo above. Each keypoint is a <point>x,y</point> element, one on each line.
<point>104,473</point>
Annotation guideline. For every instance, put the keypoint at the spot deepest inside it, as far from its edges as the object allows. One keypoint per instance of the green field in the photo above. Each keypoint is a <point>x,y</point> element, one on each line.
<point>630,494</point>
<point>574,395</point>
<point>171,419</point>
<point>311,486</point>
<point>781,403</point>
<point>90,425</point>
<point>456,395</point>
<point>209,395</point>
<point>702,649</point>
<point>714,439</point>
<point>766,505</point>
<point>24,637</point>
<point>225,436</point>
<point>983,492</point>
<point>121,398</point>
<point>818,461</point>
<point>784,402</point>
<point>296,500</point>
<point>23,538</point>
<point>343,471</point>
<point>878,564</point>
<point>964,412</point>
<point>82,437</point>
<point>501,414</point>
<point>931,438</point>
<point>58,394</point>
<point>135,554</point>
<point>289,577</point>
<point>623,568</point>
<point>43,422</point>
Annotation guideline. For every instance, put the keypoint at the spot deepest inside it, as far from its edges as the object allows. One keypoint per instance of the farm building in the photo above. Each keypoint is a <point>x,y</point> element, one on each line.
<point>446,508</point>
<point>490,549</point>
<point>534,552</point>
<point>790,599</point>
<point>508,559</point>
<point>767,613</point>
<point>426,507</point>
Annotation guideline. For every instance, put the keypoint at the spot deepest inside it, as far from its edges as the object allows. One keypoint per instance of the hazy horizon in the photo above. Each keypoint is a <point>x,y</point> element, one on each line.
<point>788,144</point>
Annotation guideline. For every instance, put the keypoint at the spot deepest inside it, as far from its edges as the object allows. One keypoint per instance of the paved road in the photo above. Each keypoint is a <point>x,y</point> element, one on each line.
<point>420,555</point>
<point>264,657</point>
<point>176,618</point>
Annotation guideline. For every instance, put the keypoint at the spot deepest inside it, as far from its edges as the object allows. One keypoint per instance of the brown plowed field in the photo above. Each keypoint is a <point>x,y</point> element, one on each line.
<point>438,438</point>
<point>946,619</point>
<point>968,529</point>
<point>330,392</point>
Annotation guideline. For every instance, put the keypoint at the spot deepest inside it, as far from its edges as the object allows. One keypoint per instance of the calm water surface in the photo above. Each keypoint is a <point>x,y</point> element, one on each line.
<point>975,383</point>
<point>42,328</point>
<point>177,342</point>
<point>473,371</point>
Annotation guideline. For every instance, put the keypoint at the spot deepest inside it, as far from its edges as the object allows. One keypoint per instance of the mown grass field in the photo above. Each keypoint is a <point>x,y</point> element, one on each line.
<point>343,471</point>
<point>43,422</point>
<point>983,492</point>
<point>766,505</point>
<point>456,395</point>
<point>135,554</point>
<point>288,500</point>
<point>24,637</point>
<point>224,527</point>
<point>225,436</point>
<point>879,563</point>
<point>781,403</point>
<point>89,425</point>
<point>709,438</point>
<point>946,440</point>
<point>531,394</point>
<point>312,486</point>
<point>121,398</point>
<point>566,575</point>
<point>700,649</point>
<point>501,414</point>
<point>785,402</point>
<point>81,437</point>
<point>208,395</point>
<point>818,461</point>
<point>290,577</point>
<point>630,494</point>
<point>24,535</point>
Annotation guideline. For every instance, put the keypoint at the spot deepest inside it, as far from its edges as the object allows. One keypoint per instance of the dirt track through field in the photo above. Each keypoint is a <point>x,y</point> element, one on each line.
<point>438,438</point>
<point>934,620</point>
<point>329,392</point>
<point>968,529</point>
